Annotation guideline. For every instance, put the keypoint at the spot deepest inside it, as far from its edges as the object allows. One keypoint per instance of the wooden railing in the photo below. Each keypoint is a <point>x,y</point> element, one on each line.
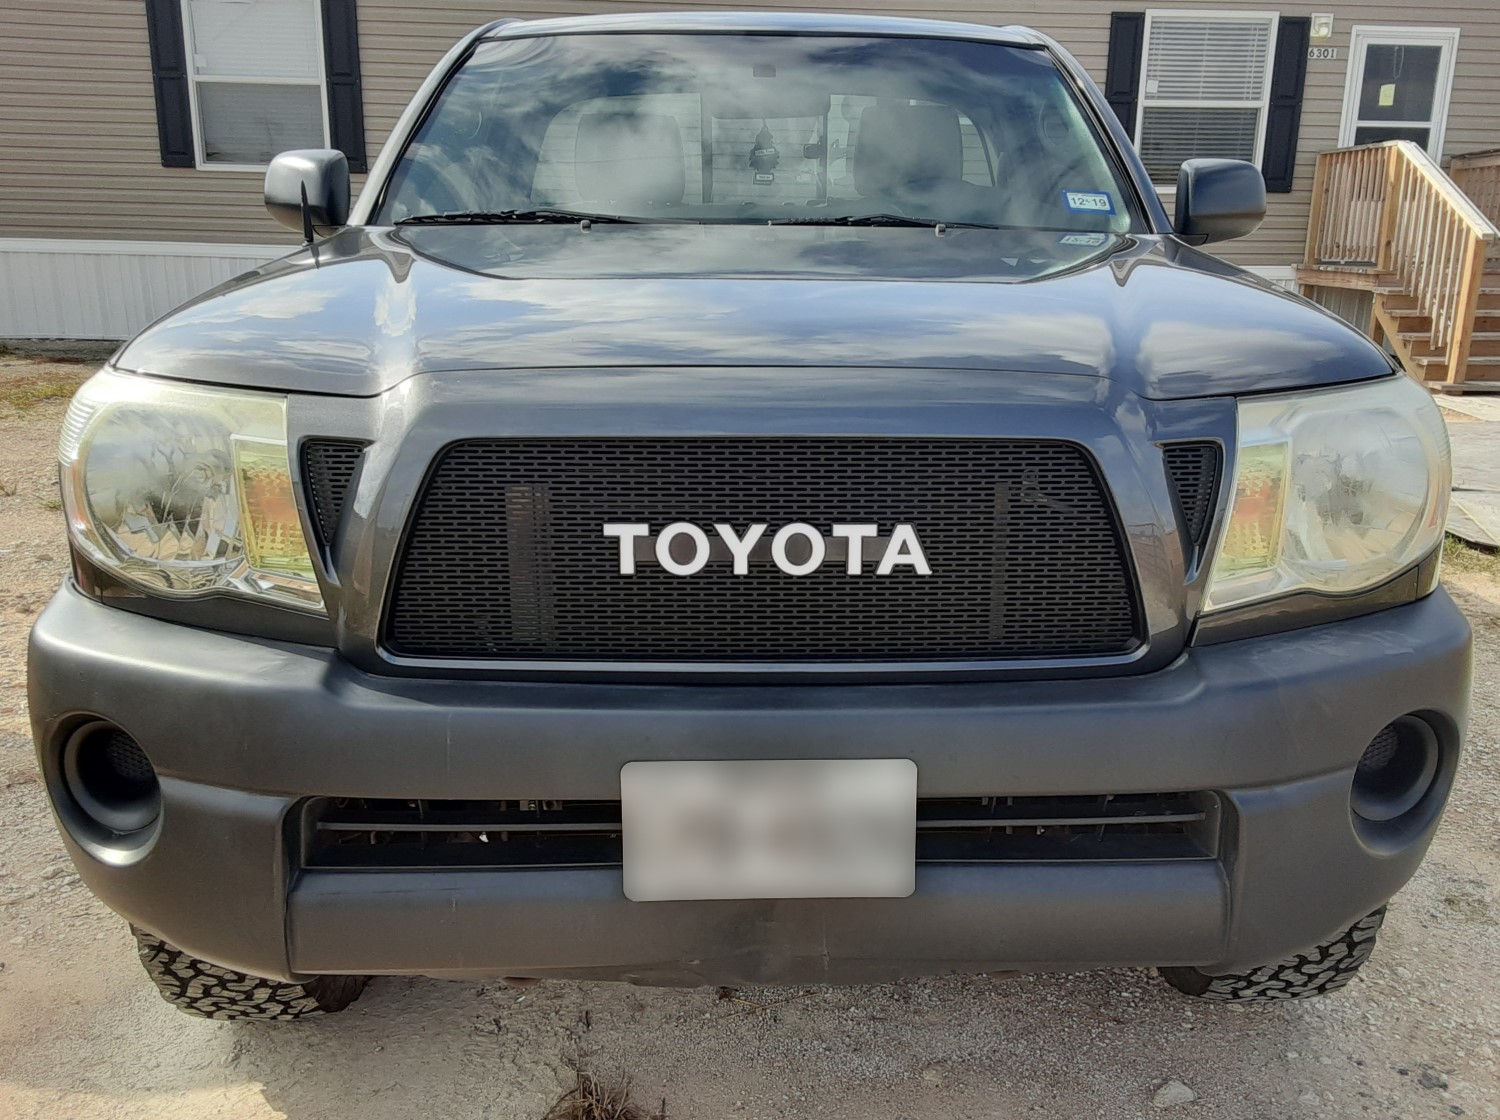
<point>1478,176</point>
<point>1347,225</point>
<point>1389,210</point>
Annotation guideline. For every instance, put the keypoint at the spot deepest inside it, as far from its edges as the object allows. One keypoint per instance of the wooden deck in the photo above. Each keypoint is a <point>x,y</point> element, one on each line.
<point>1388,221</point>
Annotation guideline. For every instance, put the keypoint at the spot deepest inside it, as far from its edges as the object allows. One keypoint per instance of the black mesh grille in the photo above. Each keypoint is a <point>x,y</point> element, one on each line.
<point>1193,469</point>
<point>124,758</point>
<point>328,465</point>
<point>1381,750</point>
<point>393,834</point>
<point>506,557</point>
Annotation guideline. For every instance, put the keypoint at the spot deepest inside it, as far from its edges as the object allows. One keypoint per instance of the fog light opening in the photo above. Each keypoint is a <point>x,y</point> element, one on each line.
<point>109,777</point>
<point>1396,770</point>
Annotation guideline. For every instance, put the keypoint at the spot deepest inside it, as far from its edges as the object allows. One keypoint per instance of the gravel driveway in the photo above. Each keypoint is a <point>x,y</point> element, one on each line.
<point>83,1035</point>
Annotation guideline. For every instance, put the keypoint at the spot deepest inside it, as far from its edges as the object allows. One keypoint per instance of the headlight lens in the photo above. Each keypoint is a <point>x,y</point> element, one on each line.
<point>1334,492</point>
<point>185,491</point>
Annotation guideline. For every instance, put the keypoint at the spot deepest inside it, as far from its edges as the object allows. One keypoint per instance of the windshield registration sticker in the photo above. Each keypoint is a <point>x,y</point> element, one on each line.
<point>1088,202</point>
<point>1086,240</point>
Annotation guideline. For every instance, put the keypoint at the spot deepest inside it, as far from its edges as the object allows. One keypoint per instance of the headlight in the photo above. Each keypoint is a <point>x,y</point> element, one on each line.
<point>1334,492</point>
<point>185,491</point>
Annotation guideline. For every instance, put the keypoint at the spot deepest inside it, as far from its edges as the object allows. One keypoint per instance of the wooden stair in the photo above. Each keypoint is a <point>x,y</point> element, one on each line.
<point>1387,220</point>
<point>1402,325</point>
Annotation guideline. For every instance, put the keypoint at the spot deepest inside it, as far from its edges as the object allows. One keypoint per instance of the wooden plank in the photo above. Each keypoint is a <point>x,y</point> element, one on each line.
<point>1386,241</point>
<point>1327,276</point>
<point>1315,218</point>
<point>1466,309</point>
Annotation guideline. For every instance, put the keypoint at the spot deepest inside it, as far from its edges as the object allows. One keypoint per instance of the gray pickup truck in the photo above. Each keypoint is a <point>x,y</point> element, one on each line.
<point>750,498</point>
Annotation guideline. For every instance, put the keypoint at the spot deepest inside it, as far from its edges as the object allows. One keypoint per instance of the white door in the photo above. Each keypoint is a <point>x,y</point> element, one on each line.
<point>1398,86</point>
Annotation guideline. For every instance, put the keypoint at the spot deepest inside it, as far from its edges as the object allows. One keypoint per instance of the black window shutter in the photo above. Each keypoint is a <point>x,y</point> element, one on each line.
<point>346,109</point>
<point>169,77</point>
<point>1122,78</point>
<point>1284,122</point>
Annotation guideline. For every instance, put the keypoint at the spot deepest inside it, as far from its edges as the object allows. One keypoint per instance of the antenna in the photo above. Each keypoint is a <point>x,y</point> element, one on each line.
<point>307,225</point>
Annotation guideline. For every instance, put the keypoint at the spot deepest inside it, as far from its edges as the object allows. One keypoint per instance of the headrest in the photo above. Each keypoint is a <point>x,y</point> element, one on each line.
<point>904,146</point>
<point>628,157</point>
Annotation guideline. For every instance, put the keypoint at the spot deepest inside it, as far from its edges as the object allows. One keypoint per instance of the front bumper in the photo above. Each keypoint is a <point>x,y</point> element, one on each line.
<point>242,730</point>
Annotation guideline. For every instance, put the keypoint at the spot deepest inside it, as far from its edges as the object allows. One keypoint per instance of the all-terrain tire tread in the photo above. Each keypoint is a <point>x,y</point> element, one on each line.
<point>1322,969</point>
<point>211,991</point>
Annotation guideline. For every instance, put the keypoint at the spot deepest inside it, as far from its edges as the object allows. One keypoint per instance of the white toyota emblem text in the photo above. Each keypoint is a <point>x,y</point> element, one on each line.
<point>798,549</point>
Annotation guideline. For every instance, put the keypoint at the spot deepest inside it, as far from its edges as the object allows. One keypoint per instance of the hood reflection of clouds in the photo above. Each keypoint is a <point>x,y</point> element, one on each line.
<point>376,313</point>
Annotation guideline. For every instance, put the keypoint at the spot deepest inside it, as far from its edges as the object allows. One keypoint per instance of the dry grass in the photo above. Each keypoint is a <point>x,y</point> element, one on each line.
<point>1459,556</point>
<point>590,1098</point>
<point>19,393</point>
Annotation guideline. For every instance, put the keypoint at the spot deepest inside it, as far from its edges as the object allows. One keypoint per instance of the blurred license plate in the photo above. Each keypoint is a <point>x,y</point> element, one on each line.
<point>828,828</point>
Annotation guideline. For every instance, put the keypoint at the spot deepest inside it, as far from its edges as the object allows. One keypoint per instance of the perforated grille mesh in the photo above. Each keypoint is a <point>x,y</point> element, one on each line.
<point>1381,750</point>
<point>125,759</point>
<point>328,465</point>
<point>506,557</point>
<point>1193,469</point>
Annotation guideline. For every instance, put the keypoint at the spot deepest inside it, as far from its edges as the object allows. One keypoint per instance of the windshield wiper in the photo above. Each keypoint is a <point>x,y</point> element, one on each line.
<point>877,220</point>
<point>504,217</point>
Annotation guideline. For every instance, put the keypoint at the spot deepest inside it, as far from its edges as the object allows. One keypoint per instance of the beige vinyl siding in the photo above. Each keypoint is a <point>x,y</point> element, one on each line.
<point>78,148</point>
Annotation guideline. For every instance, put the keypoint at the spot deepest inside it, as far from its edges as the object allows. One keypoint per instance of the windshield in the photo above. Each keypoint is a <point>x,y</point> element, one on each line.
<point>724,128</point>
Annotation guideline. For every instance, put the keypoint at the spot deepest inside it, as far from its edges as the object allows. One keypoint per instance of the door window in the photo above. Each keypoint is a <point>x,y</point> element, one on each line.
<point>1399,82</point>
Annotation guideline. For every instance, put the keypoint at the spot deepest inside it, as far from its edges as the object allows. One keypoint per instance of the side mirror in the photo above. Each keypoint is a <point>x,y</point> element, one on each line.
<point>1219,200</point>
<point>308,191</point>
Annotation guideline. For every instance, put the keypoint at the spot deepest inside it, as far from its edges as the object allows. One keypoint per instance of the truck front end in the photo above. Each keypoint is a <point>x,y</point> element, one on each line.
<point>750,499</point>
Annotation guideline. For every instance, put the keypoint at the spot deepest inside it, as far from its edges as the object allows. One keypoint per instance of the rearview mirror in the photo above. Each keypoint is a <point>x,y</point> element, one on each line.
<point>308,190</point>
<point>1219,200</point>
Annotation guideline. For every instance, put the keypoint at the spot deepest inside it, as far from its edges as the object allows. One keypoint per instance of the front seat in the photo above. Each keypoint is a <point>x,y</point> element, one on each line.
<point>629,159</point>
<point>913,155</point>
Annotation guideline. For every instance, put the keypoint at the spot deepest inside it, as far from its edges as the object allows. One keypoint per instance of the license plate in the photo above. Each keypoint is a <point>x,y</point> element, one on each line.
<point>819,828</point>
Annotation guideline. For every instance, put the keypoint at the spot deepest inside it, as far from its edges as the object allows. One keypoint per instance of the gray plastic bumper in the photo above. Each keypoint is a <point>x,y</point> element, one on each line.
<point>241,729</point>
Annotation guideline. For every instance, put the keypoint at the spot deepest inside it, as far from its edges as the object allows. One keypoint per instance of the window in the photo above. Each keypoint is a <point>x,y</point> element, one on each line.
<point>236,81</point>
<point>256,74</point>
<point>1205,88</point>
<point>1398,87</point>
<point>725,129</point>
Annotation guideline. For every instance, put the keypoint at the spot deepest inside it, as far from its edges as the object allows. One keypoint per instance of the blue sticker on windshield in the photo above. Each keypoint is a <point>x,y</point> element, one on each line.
<point>1088,202</point>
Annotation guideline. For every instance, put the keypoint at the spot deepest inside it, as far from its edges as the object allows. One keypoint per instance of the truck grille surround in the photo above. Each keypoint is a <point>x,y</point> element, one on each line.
<point>505,556</point>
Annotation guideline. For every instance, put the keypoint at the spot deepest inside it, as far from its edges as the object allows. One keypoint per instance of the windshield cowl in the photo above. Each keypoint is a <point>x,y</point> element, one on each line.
<point>759,251</point>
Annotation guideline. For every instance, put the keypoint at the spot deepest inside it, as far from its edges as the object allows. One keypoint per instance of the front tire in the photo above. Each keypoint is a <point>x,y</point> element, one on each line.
<point>211,991</point>
<point>1323,969</point>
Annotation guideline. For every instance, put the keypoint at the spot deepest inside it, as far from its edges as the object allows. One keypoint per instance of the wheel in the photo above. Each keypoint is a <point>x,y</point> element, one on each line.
<point>1326,968</point>
<point>212,992</point>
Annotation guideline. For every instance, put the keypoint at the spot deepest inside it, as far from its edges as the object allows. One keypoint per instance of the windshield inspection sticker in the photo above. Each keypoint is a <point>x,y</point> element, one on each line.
<point>1088,202</point>
<point>1087,240</point>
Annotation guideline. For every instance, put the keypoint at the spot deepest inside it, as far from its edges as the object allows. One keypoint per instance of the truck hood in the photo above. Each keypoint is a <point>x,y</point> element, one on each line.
<point>369,308</point>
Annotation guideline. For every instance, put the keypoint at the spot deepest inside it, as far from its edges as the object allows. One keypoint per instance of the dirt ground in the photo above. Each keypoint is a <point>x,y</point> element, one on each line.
<point>83,1035</point>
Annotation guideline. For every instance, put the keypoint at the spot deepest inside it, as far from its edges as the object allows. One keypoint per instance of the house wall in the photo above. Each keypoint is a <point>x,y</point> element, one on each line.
<point>78,146</point>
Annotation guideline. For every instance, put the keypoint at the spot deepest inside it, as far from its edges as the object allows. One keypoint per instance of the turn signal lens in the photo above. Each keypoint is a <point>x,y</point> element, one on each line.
<point>273,526</point>
<point>1252,539</point>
